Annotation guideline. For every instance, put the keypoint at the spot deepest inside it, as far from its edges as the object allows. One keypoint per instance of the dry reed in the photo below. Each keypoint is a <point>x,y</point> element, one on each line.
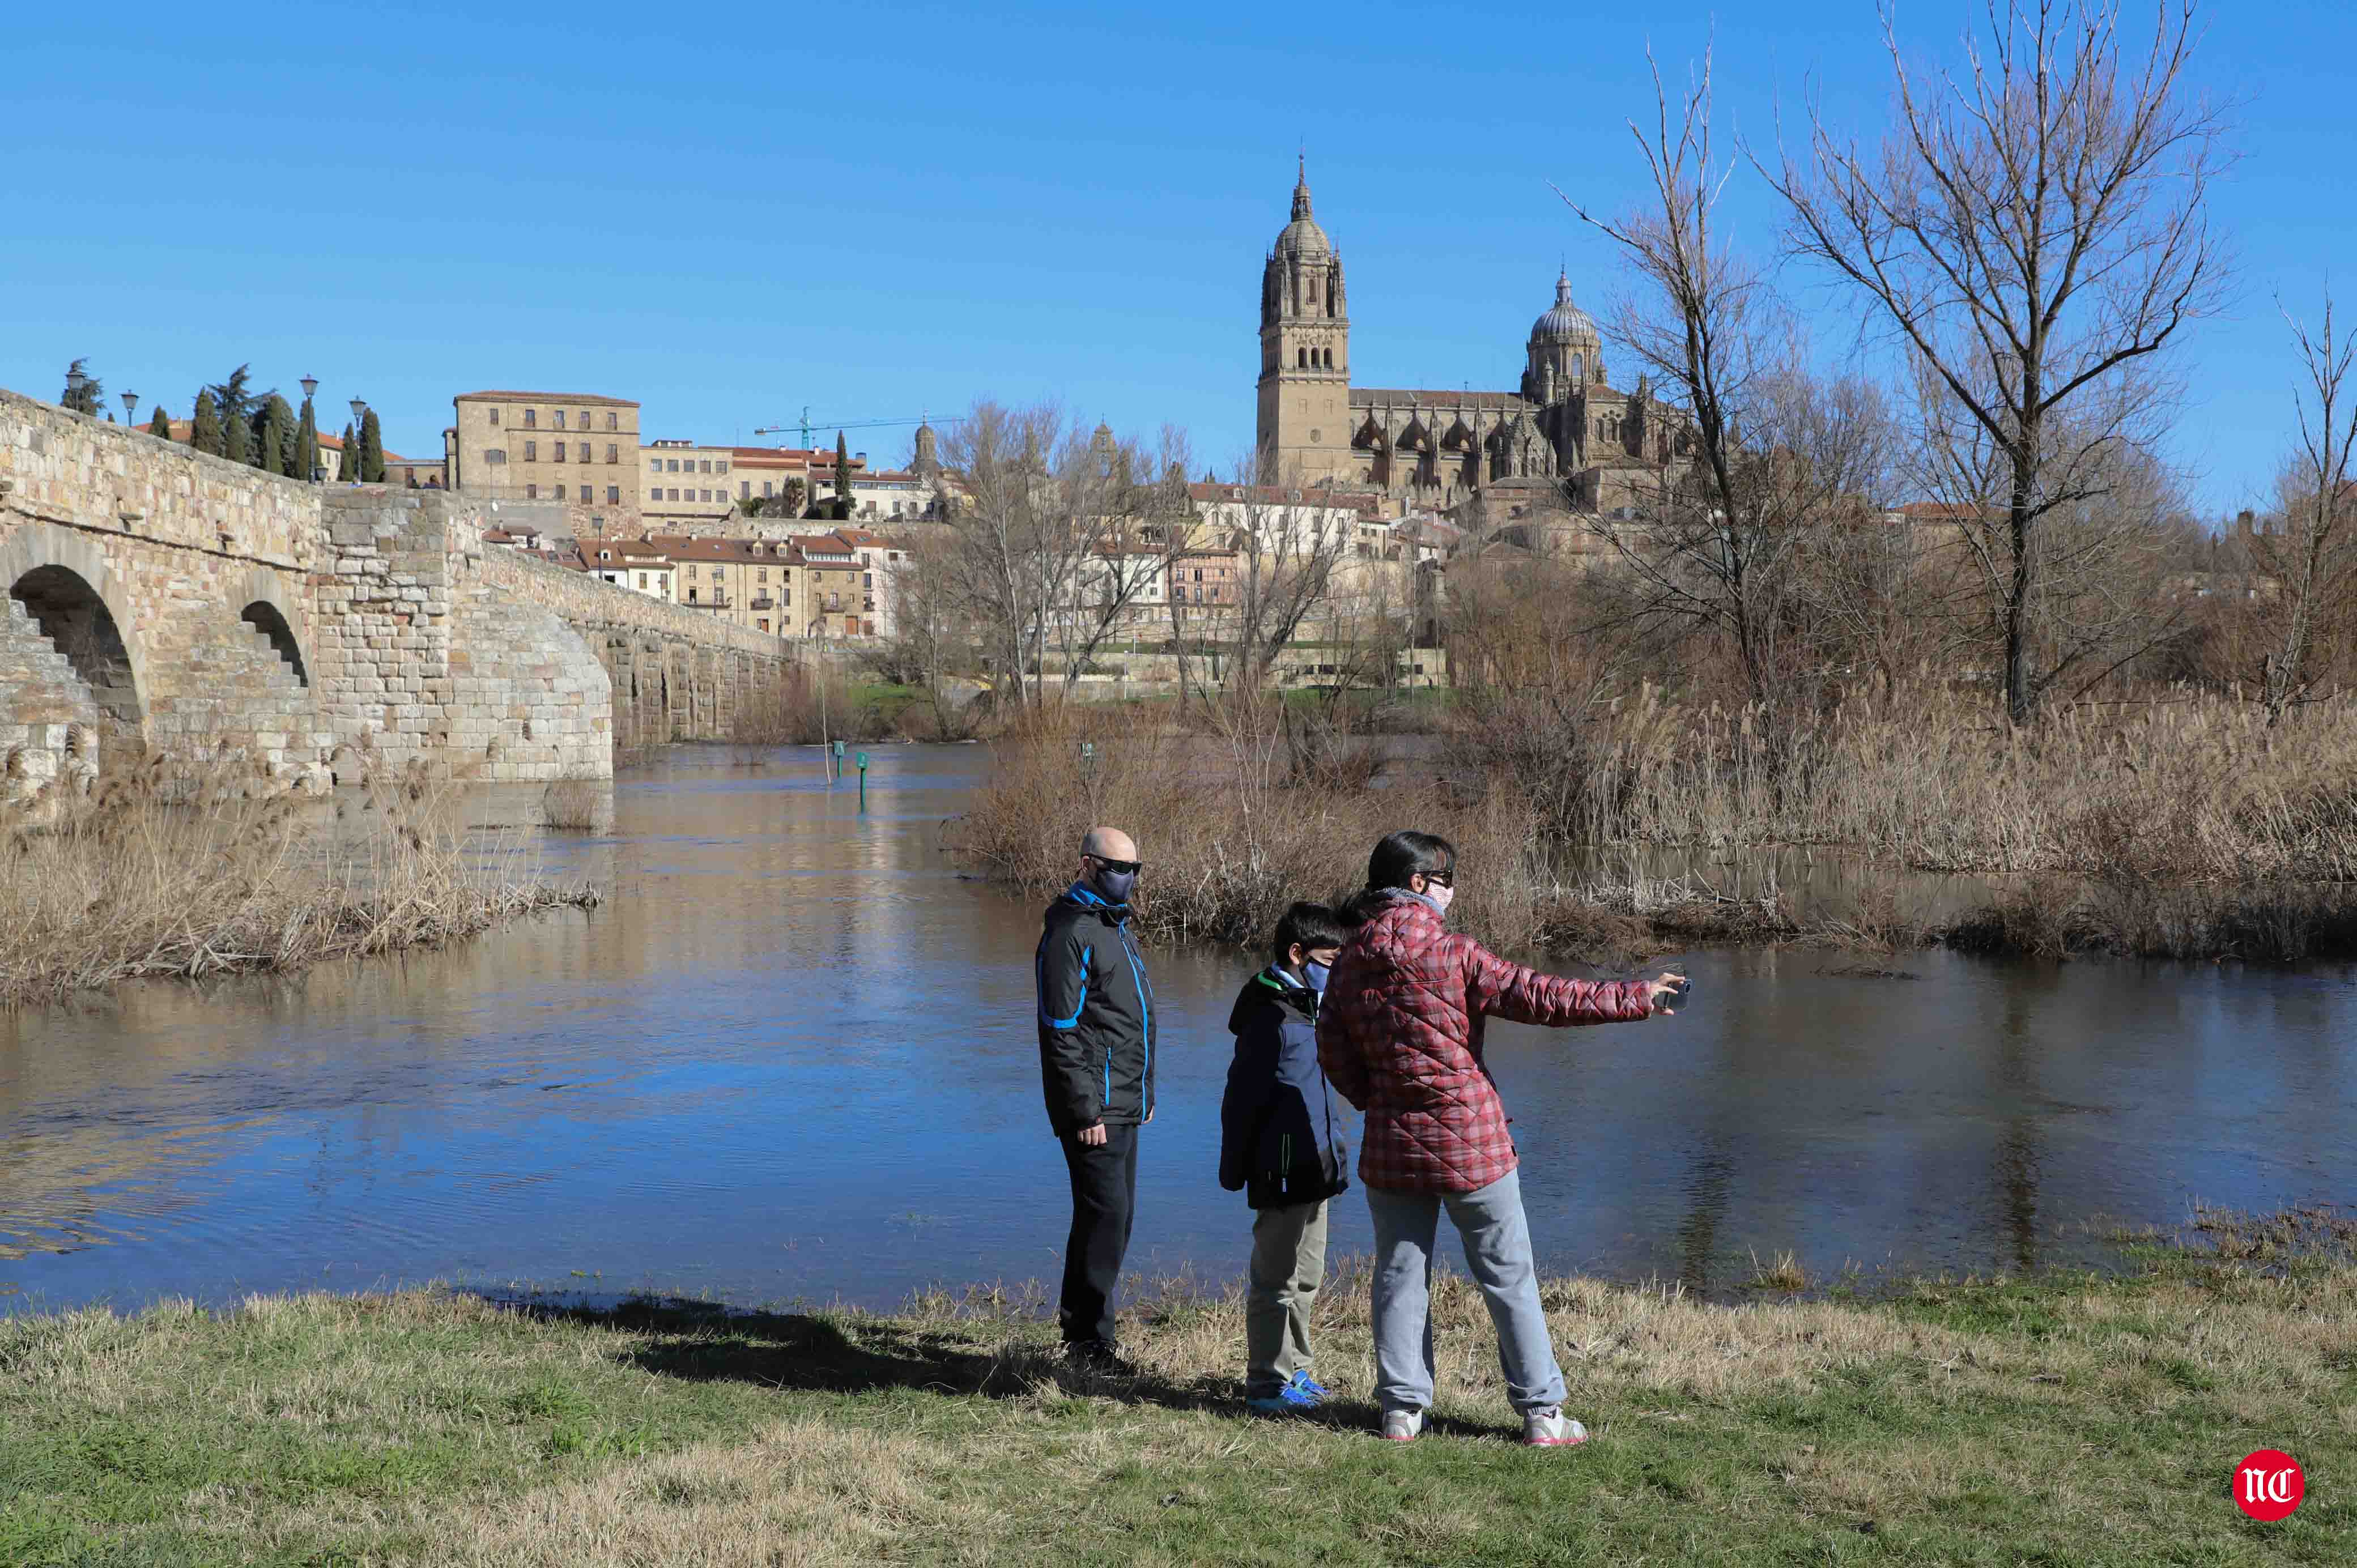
<point>185,870</point>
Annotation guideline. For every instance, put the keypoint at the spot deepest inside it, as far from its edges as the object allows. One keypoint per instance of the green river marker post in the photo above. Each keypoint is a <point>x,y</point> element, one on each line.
<point>838,760</point>
<point>863,781</point>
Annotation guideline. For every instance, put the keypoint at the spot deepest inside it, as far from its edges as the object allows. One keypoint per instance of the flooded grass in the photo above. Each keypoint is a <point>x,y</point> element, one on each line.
<point>2068,1419</point>
<point>2183,832</point>
<point>184,870</point>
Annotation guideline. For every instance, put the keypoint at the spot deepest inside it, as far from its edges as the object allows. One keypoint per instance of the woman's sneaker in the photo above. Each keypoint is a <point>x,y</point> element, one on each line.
<point>1550,1428</point>
<point>1403,1425</point>
<point>1310,1386</point>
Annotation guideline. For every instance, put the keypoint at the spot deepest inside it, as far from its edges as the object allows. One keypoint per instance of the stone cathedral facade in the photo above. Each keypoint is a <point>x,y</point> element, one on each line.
<point>1565,431</point>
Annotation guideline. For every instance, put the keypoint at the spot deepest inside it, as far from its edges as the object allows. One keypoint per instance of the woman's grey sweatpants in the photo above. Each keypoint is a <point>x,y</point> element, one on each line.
<point>1498,1254</point>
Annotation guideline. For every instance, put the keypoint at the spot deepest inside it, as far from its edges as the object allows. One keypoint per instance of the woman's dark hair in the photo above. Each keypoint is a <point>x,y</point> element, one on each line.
<point>1397,858</point>
<point>1313,926</point>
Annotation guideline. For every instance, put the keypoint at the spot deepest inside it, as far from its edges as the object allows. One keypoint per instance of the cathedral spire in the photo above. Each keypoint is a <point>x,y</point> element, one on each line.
<point>1301,188</point>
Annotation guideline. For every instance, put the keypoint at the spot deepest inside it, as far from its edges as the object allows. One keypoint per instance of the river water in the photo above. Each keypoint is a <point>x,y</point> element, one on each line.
<point>793,1058</point>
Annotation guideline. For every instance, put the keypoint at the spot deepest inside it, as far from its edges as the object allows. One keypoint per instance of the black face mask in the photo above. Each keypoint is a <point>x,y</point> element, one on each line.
<point>1113,886</point>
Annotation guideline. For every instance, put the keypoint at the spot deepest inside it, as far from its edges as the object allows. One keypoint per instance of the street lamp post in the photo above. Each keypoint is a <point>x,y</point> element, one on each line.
<point>130,407</point>
<point>74,382</point>
<point>310,387</point>
<point>352,459</point>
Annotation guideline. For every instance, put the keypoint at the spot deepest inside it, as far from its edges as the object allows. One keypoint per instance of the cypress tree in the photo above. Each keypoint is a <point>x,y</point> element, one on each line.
<point>237,439</point>
<point>205,425</point>
<point>347,459</point>
<point>842,477</point>
<point>278,438</point>
<point>161,425</point>
<point>372,449</point>
<point>307,443</point>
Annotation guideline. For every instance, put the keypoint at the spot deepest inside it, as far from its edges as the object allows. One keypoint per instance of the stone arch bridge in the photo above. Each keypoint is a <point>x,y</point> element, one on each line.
<point>154,596</point>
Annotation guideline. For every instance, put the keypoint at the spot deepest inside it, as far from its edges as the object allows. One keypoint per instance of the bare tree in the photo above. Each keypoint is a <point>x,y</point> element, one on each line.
<point>2031,230</point>
<point>1768,451</point>
<point>1054,535</point>
<point>1283,544</point>
<point>2308,554</point>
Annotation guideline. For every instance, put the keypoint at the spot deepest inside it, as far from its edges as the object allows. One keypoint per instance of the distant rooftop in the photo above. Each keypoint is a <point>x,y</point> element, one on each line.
<point>546,397</point>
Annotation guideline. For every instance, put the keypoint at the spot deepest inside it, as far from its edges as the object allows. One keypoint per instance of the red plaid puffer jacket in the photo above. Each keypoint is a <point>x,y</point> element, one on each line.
<point>1399,1033</point>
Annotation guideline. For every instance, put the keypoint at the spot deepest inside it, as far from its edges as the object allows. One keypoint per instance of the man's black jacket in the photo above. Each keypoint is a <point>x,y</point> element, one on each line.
<point>1277,1141</point>
<point>1096,1015</point>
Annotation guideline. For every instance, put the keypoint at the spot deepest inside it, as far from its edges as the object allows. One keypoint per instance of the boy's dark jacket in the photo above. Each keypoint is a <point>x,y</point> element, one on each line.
<point>1278,1142</point>
<point>1096,1015</point>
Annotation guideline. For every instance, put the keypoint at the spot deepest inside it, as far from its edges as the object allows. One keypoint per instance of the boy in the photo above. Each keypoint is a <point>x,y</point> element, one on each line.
<point>1277,1145</point>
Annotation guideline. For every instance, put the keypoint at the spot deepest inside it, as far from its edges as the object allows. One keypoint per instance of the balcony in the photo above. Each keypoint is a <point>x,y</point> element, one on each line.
<point>765,603</point>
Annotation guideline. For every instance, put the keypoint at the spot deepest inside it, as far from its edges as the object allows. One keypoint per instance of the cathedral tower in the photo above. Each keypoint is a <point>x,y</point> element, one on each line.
<point>1304,355</point>
<point>1565,354</point>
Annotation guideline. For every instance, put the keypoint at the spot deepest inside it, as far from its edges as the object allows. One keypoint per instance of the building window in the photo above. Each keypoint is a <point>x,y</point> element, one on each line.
<point>560,492</point>
<point>642,579</point>
<point>722,467</point>
<point>674,495</point>
<point>613,453</point>
<point>744,489</point>
<point>532,492</point>
<point>494,455</point>
<point>583,422</point>
<point>531,418</point>
<point>495,416</point>
<point>560,419</point>
<point>560,448</point>
<point>765,489</point>
<point>691,593</point>
<point>868,579</point>
<point>674,467</point>
<point>610,423</point>
<point>706,466</point>
<point>532,451</point>
<point>614,493</point>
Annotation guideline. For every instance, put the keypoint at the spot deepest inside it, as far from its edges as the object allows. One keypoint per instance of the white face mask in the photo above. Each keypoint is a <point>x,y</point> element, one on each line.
<point>1443,897</point>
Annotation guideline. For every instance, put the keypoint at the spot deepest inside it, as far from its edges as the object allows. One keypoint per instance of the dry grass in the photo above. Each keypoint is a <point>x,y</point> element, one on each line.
<point>181,870</point>
<point>2167,830</point>
<point>578,805</point>
<point>2078,1419</point>
<point>2182,787</point>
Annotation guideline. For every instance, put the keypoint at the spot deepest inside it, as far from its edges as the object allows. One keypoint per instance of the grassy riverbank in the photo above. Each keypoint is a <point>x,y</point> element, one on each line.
<point>180,870</point>
<point>2073,1420</point>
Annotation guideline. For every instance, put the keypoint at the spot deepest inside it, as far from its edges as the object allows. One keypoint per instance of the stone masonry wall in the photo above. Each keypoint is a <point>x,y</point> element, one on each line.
<point>417,652</point>
<point>133,559</point>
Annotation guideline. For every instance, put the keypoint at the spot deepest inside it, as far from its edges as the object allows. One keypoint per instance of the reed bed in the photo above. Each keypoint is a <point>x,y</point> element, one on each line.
<point>2178,827</point>
<point>2178,786</point>
<point>182,870</point>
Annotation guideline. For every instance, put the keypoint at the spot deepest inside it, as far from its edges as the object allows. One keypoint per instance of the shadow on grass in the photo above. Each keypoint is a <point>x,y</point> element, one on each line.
<point>702,1341</point>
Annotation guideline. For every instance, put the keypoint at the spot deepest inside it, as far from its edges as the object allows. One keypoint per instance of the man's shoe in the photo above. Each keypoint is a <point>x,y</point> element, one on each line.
<point>1288,1399</point>
<point>1550,1428</point>
<point>1096,1356</point>
<point>1403,1425</point>
<point>1316,1391</point>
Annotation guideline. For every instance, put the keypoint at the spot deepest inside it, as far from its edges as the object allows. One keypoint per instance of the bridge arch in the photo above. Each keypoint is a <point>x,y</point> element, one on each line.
<point>74,598</point>
<point>278,616</point>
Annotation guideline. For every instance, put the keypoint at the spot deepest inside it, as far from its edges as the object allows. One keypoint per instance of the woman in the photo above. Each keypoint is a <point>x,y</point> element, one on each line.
<point>1400,1036</point>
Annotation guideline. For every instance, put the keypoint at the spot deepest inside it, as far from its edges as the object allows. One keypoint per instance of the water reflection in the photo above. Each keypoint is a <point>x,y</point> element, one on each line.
<point>793,1057</point>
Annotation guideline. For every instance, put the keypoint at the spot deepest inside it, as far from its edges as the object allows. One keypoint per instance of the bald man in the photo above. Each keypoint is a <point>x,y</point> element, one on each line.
<point>1096,1063</point>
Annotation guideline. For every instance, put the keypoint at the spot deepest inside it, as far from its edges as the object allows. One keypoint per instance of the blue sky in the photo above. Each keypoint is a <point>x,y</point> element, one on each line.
<point>730,212</point>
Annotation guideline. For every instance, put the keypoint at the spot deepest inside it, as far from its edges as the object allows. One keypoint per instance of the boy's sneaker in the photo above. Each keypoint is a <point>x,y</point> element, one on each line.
<point>1288,1399</point>
<point>1316,1391</point>
<point>1550,1428</point>
<point>1403,1425</point>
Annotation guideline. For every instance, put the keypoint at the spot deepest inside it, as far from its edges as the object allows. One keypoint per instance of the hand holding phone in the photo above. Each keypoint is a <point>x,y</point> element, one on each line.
<point>1670,988</point>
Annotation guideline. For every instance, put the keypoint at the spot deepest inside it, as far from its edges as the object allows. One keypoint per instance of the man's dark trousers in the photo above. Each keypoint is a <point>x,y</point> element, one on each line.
<point>1104,1205</point>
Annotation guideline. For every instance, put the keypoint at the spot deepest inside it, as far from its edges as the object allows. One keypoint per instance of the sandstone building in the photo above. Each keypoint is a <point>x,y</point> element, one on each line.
<point>1598,448</point>
<point>575,447</point>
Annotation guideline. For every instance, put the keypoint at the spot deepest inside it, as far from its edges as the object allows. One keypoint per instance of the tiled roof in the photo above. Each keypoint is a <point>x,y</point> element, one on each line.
<point>548,397</point>
<point>1386,397</point>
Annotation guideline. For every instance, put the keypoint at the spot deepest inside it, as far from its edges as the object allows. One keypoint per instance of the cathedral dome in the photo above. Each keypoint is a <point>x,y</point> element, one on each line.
<point>1567,323</point>
<point>1302,237</point>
